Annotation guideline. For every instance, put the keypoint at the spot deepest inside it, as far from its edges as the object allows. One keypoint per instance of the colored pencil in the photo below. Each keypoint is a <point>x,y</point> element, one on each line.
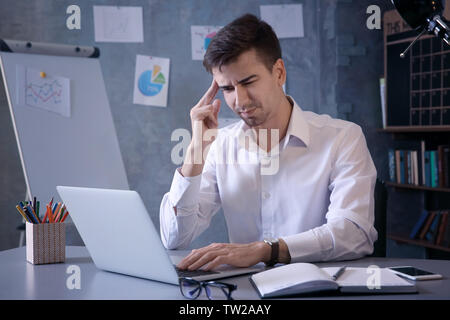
<point>30,208</point>
<point>60,213</point>
<point>29,215</point>
<point>38,208</point>
<point>55,213</point>
<point>22,213</point>
<point>34,204</point>
<point>25,210</point>
<point>65,216</point>
<point>46,214</point>
<point>50,216</point>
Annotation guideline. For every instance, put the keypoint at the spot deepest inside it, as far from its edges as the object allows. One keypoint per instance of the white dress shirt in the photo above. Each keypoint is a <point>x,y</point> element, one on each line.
<point>315,191</point>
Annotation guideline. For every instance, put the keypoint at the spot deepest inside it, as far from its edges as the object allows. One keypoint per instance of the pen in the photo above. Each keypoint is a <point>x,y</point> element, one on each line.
<point>339,273</point>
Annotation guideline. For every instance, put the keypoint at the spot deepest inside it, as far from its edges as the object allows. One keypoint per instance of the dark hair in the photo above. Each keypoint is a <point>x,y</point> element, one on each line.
<point>243,34</point>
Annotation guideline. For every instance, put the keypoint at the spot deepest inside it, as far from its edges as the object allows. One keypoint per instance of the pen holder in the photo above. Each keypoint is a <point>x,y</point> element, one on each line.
<point>46,242</point>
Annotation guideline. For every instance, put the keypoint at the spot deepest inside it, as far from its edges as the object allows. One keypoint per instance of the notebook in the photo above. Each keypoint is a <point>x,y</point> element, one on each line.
<point>303,278</point>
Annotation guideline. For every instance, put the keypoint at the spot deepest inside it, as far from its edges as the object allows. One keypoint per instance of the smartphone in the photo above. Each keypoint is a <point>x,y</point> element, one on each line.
<point>414,273</point>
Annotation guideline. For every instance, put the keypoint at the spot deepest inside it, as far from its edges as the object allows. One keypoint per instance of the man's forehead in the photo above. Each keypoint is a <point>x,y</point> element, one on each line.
<point>244,66</point>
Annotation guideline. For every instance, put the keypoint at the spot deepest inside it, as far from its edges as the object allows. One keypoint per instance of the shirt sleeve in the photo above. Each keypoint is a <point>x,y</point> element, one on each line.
<point>349,232</point>
<point>187,209</point>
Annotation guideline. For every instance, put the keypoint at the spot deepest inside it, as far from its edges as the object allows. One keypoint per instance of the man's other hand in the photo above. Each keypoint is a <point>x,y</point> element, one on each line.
<point>238,255</point>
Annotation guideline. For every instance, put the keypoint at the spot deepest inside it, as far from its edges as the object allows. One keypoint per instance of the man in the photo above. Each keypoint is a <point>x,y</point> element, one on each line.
<point>315,204</point>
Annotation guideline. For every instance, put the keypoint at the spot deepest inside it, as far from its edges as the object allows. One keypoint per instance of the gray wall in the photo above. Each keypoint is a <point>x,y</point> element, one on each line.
<point>321,78</point>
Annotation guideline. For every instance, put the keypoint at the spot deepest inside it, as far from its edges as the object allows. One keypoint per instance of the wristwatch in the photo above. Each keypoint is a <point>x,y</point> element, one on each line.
<point>273,243</point>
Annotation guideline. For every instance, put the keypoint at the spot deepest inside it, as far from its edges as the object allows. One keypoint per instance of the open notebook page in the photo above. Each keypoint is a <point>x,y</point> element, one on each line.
<point>362,279</point>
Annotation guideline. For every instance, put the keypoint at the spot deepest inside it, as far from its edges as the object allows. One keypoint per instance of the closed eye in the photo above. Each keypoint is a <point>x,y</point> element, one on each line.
<point>227,89</point>
<point>231,88</point>
<point>245,82</point>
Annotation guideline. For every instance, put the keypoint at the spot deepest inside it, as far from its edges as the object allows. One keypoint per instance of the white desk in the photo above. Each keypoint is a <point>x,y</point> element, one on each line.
<point>22,280</point>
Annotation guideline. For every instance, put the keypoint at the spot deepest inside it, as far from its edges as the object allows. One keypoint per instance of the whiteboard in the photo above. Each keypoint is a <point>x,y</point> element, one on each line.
<point>76,150</point>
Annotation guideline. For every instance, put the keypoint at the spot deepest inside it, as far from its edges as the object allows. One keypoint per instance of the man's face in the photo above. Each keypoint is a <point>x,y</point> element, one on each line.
<point>250,89</point>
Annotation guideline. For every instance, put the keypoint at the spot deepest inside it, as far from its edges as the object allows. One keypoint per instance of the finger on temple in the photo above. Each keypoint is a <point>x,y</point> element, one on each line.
<point>211,93</point>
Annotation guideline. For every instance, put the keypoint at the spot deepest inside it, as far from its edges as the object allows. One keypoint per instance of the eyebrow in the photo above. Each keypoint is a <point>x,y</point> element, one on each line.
<point>240,81</point>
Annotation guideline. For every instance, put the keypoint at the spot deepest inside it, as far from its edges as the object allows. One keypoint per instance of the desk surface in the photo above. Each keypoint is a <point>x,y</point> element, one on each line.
<point>22,280</point>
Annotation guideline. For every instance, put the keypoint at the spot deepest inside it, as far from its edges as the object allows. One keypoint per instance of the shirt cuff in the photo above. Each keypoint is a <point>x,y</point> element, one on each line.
<point>184,190</point>
<point>310,246</point>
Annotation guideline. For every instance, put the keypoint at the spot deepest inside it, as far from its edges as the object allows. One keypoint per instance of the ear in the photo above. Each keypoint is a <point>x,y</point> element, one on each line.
<point>279,72</point>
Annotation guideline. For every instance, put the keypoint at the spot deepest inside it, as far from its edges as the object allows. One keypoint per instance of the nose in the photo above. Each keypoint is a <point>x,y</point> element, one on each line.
<point>242,98</point>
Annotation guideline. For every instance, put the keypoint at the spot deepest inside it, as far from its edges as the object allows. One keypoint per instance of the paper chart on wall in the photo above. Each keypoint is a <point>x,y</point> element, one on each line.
<point>151,81</point>
<point>286,20</point>
<point>37,89</point>
<point>200,38</point>
<point>118,24</point>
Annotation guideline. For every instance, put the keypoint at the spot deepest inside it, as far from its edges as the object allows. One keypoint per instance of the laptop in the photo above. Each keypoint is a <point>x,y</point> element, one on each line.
<point>121,237</point>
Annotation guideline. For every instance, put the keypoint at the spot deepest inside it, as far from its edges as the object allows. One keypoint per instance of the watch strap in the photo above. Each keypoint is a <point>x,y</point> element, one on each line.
<point>274,244</point>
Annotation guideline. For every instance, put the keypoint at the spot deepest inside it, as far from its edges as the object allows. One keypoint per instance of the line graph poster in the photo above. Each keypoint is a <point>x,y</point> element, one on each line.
<point>118,24</point>
<point>37,89</point>
<point>200,38</point>
<point>151,81</point>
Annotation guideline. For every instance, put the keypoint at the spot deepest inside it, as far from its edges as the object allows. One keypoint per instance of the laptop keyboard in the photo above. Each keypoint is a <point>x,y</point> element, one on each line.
<point>193,273</point>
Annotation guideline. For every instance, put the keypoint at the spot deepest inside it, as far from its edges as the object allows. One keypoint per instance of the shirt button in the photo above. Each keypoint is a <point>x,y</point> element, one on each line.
<point>266,195</point>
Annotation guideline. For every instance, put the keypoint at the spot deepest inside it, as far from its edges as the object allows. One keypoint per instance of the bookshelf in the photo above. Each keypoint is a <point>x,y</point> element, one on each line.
<point>417,242</point>
<point>411,186</point>
<point>415,129</point>
<point>436,197</point>
<point>417,117</point>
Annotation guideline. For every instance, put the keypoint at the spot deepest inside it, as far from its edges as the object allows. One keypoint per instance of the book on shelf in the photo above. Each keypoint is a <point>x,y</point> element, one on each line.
<point>419,224</point>
<point>422,161</point>
<point>420,167</point>
<point>442,228</point>
<point>431,234</point>
<point>442,154</point>
<point>446,164</point>
<point>408,167</point>
<point>434,173</point>
<point>444,235</point>
<point>305,278</point>
<point>432,226</point>
<point>383,101</point>
<point>427,225</point>
<point>392,169</point>
<point>427,169</point>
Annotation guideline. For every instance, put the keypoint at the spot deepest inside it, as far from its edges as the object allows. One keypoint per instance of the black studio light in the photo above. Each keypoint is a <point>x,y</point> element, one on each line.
<point>425,16</point>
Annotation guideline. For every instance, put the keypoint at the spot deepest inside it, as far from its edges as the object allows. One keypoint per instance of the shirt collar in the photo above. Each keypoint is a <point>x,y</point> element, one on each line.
<point>298,126</point>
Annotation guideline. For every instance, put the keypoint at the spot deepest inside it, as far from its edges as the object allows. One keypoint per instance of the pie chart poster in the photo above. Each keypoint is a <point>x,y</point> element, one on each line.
<point>151,81</point>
